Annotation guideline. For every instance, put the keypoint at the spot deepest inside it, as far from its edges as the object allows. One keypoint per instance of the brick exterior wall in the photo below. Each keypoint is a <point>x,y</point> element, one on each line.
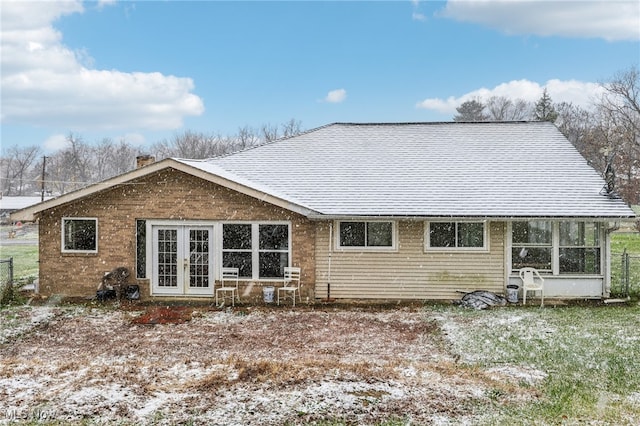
<point>169,195</point>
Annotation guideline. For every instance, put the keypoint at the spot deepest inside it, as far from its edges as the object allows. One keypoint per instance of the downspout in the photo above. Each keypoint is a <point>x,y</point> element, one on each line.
<point>329,299</point>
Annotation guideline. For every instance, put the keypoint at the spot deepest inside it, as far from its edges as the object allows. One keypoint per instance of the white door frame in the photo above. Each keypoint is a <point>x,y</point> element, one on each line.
<point>178,258</point>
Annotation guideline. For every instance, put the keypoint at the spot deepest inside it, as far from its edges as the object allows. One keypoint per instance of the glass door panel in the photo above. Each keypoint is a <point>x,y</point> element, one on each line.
<point>200,261</point>
<point>182,260</point>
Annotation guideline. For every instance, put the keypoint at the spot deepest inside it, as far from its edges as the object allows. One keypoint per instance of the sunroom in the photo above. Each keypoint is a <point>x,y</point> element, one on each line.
<point>571,255</point>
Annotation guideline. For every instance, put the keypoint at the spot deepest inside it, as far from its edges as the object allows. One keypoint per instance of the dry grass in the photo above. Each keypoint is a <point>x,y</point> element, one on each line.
<point>259,366</point>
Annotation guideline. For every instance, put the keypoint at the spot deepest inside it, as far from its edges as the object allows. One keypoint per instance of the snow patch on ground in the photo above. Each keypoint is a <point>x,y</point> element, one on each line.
<point>16,321</point>
<point>252,366</point>
<point>516,374</point>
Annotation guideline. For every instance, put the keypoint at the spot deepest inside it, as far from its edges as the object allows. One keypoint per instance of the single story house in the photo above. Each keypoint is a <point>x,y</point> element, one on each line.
<point>394,211</point>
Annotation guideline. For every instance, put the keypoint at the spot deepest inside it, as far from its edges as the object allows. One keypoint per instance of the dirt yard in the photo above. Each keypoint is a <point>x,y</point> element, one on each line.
<point>251,366</point>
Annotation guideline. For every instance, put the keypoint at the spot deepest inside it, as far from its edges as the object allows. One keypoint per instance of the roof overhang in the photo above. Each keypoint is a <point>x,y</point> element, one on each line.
<point>501,218</point>
<point>29,214</point>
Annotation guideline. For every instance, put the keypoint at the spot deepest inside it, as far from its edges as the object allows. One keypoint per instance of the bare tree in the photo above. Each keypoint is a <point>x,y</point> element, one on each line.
<point>500,108</point>
<point>620,110</point>
<point>79,164</point>
<point>608,134</point>
<point>269,132</point>
<point>245,138</point>
<point>18,178</point>
<point>72,167</point>
<point>190,144</point>
<point>578,125</point>
<point>6,180</point>
<point>103,158</point>
<point>292,127</point>
<point>123,159</point>
<point>112,159</point>
<point>622,97</point>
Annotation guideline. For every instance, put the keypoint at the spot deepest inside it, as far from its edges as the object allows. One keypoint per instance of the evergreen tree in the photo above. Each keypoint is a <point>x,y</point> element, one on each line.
<point>545,111</point>
<point>472,110</point>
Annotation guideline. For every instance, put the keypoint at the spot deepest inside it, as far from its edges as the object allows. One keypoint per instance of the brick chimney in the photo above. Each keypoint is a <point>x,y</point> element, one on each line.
<point>144,160</point>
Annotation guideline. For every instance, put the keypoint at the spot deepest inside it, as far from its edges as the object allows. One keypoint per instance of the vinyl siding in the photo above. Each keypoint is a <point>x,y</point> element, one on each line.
<point>410,272</point>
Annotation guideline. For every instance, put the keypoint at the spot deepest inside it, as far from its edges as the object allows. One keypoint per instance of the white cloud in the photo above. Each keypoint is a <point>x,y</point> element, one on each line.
<point>105,3</point>
<point>336,96</point>
<point>55,142</point>
<point>577,92</point>
<point>46,83</point>
<point>610,20</point>
<point>417,16</point>
<point>135,139</point>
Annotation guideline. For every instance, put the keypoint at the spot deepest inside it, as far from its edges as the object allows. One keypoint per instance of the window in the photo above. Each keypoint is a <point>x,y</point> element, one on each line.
<point>273,255</point>
<point>579,249</point>
<point>236,248</point>
<point>366,234</point>
<point>141,248</point>
<point>79,235</point>
<point>567,247</point>
<point>532,245</point>
<point>456,235</point>
<point>256,249</point>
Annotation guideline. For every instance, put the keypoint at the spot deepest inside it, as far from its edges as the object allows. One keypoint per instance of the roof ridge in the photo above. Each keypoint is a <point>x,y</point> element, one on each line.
<point>399,123</point>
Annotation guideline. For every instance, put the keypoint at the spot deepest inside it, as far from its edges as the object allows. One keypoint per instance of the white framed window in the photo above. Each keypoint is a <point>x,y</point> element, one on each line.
<point>258,250</point>
<point>560,248</point>
<point>532,244</point>
<point>465,235</point>
<point>371,235</point>
<point>579,247</point>
<point>79,235</point>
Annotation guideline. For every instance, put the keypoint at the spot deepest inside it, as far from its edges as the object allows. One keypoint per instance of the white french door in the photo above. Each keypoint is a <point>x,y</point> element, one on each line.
<point>182,260</point>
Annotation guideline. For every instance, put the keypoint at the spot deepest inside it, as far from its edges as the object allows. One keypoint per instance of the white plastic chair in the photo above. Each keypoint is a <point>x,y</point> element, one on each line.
<point>229,284</point>
<point>531,281</point>
<point>291,283</point>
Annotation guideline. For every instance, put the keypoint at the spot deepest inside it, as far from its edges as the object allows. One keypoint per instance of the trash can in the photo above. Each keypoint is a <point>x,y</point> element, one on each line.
<point>267,294</point>
<point>512,293</point>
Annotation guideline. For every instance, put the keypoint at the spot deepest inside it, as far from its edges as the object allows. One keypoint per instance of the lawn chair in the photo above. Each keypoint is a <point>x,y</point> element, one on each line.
<point>531,281</point>
<point>291,283</point>
<point>229,284</point>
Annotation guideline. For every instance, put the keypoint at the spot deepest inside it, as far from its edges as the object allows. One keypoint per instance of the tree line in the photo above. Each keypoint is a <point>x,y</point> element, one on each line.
<point>80,163</point>
<point>606,133</point>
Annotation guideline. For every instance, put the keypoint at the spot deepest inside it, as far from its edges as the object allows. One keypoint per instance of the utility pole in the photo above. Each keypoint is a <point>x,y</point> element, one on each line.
<point>44,165</point>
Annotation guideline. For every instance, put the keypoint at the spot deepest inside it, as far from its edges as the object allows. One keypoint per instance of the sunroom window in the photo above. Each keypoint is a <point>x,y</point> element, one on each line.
<point>79,235</point>
<point>532,245</point>
<point>567,247</point>
<point>579,250</point>
<point>456,235</point>
<point>373,234</point>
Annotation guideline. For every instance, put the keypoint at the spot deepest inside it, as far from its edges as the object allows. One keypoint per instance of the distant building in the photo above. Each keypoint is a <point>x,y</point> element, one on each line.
<point>11,204</point>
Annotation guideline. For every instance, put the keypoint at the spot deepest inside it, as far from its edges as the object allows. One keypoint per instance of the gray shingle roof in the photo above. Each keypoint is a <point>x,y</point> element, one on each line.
<point>510,169</point>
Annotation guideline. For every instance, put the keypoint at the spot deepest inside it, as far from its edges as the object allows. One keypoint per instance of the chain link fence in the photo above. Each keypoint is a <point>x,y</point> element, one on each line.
<point>6,280</point>
<point>625,275</point>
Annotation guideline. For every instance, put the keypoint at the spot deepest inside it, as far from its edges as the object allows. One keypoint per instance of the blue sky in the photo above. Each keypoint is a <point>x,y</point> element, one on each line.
<point>143,71</point>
